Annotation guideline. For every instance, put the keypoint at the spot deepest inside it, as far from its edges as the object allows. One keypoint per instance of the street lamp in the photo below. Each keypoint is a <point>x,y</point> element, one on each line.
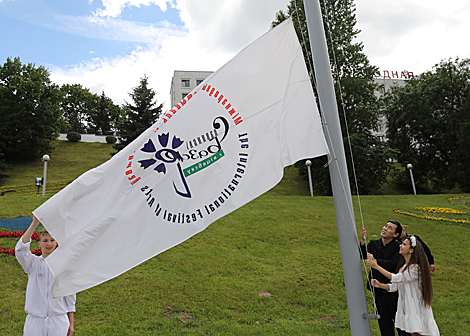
<point>38,181</point>
<point>45,158</point>
<point>308,163</point>
<point>410,168</point>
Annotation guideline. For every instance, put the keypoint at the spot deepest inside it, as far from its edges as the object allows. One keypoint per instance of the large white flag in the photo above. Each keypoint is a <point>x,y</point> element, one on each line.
<point>223,145</point>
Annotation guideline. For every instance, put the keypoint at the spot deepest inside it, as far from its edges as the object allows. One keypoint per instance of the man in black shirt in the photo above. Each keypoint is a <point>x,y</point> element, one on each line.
<point>385,251</point>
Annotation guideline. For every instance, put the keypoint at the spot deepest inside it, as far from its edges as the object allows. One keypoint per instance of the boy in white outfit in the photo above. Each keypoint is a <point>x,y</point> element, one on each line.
<point>46,316</point>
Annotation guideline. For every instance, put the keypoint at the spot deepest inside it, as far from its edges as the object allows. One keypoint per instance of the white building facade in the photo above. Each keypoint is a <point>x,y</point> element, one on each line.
<point>387,84</point>
<point>183,82</point>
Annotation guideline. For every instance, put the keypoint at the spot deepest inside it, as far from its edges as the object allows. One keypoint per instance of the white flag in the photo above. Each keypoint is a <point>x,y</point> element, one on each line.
<point>223,145</point>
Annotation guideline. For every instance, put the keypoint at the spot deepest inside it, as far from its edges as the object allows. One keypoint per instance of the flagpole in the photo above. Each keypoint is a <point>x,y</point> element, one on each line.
<point>352,268</point>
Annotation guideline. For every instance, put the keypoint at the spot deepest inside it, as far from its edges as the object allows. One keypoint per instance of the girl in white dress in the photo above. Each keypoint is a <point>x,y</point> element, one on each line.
<point>414,285</point>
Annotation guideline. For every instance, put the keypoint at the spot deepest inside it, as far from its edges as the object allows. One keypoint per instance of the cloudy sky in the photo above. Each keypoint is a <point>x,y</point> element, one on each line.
<point>108,45</point>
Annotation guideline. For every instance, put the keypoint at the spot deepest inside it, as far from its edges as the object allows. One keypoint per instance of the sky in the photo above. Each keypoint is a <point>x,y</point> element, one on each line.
<point>108,45</point>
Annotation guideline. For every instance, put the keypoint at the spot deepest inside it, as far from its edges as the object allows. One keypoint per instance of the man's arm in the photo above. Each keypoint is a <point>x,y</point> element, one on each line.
<point>428,254</point>
<point>29,232</point>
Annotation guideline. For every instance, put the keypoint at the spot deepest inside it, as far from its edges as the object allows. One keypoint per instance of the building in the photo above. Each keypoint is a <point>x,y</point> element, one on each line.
<point>387,84</point>
<point>183,82</point>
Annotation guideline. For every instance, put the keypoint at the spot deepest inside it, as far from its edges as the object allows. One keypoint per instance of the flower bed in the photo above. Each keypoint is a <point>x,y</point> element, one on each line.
<point>17,234</point>
<point>460,200</point>
<point>441,210</point>
<point>433,216</point>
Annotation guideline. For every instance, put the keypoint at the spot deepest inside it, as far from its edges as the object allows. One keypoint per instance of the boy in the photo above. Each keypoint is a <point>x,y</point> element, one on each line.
<point>46,316</point>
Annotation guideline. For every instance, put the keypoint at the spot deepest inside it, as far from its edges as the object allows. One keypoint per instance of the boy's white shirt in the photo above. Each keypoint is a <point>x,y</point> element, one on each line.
<point>39,301</point>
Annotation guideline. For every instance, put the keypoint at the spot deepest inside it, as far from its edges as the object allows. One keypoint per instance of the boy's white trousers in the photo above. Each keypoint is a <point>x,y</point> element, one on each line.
<point>46,326</point>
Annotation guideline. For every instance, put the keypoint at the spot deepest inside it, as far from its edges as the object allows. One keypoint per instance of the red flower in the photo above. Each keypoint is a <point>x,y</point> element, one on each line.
<point>17,234</point>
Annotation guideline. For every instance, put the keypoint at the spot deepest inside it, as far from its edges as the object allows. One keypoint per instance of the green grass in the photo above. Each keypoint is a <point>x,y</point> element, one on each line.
<point>280,244</point>
<point>68,161</point>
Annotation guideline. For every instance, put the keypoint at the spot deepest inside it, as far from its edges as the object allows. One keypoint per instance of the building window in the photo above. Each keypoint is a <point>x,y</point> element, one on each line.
<point>382,90</point>
<point>381,138</point>
<point>379,127</point>
<point>183,95</point>
<point>185,82</point>
<point>199,81</point>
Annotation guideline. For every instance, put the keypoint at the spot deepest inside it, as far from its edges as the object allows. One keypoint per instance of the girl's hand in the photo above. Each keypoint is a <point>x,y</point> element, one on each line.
<point>371,261</point>
<point>375,283</point>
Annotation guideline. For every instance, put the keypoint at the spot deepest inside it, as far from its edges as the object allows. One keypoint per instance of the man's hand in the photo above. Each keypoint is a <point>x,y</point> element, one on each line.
<point>432,267</point>
<point>363,236</point>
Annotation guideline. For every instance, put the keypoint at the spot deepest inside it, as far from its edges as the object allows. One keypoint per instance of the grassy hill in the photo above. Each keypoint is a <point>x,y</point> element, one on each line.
<point>272,267</point>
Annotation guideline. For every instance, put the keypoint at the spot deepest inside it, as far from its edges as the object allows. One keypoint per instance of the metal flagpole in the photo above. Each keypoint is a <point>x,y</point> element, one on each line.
<point>352,268</point>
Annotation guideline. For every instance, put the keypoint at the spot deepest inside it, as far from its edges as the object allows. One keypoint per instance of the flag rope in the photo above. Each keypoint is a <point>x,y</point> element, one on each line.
<point>311,72</point>
<point>338,78</point>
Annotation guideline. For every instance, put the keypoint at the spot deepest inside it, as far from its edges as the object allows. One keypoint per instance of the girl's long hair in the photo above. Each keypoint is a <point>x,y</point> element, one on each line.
<point>419,258</point>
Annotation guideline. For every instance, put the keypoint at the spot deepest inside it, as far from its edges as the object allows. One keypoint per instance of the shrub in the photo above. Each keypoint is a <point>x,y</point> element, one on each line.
<point>74,136</point>
<point>110,139</point>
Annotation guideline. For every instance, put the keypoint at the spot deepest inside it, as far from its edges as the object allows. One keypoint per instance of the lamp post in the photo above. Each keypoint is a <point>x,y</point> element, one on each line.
<point>45,159</point>
<point>308,163</point>
<point>410,168</point>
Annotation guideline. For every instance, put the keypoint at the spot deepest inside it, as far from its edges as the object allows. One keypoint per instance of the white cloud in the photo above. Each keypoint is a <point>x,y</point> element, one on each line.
<point>117,76</point>
<point>228,25</point>
<point>400,35</point>
<point>114,28</point>
<point>113,8</point>
<point>413,35</point>
<point>213,32</point>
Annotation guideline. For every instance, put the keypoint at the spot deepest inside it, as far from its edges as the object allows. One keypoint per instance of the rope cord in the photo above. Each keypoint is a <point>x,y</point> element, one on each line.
<point>351,151</point>
<point>311,73</point>
<point>338,79</point>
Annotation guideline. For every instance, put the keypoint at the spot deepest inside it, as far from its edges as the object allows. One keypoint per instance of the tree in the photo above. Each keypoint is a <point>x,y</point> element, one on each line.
<point>355,92</point>
<point>429,122</point>
<point>29,110</point>
<point>106,115</point>
<point>77,102</point>
<point>140,116</point>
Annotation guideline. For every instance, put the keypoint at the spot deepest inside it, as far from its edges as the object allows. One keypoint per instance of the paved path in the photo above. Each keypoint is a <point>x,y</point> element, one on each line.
<point>86,138</point>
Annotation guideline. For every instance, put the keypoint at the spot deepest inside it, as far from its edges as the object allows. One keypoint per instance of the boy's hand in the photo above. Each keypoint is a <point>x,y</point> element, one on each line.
<point>35,221</point>
<point>29,232</point>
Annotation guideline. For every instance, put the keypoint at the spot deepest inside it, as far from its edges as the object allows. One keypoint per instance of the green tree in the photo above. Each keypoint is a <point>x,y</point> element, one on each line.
<point>76,104</point>
<point>140,115</point>
<point>429,122</point>
<point>106,115</point>
<point>29,110</point>
<point>355,92</point>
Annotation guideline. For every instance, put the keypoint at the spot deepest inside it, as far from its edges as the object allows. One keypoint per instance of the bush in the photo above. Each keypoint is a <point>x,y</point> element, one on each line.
<point>110,139</point>
<point>74,136</point>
